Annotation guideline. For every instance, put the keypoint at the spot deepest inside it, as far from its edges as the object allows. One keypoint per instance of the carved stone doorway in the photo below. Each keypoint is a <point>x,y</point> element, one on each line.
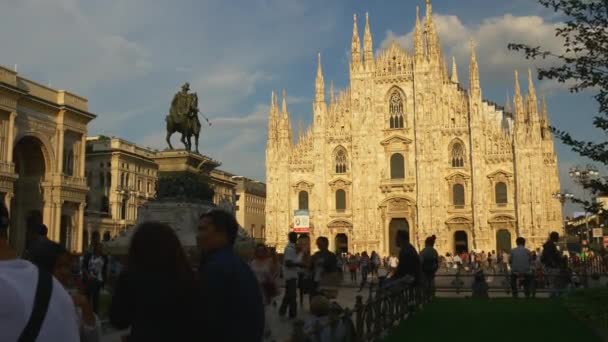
<point>461,241</point>
<point>394,226</point>
<point>503,240</point>
<point>26,206</point>
<point>341,243</point>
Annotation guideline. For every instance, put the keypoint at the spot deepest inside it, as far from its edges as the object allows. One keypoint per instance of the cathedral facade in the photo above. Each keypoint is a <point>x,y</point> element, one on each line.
<point>406,146</point>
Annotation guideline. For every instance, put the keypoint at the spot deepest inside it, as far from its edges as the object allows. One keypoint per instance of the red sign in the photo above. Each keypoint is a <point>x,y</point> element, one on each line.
<point>301,230</point>
<point>606,241</point>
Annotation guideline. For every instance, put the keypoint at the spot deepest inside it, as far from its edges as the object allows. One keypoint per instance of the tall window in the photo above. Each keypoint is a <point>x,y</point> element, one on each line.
<point>139,188</point>
<point>397,166</point>
<point>500,193</point>
<point>457,155</point>
<point>123,210</point>
<point>122,180</point>
<point>105,204</point>
<point>458,195</point>
<point>109,179</point>
<point>340,200</point>
<point>68,162</point>
<point>341,160</point>
<point>101,179</point>
<point>303,200</point>
<point>395,109</point>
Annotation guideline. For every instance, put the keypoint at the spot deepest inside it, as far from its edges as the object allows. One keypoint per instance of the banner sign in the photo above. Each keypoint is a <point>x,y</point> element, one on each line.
<point>598,232</point>
<point>301,221</point>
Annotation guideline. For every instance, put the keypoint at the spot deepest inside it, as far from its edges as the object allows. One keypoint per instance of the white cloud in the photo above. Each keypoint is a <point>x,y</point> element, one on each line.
<point>491,37</point>
<point>56,40</point>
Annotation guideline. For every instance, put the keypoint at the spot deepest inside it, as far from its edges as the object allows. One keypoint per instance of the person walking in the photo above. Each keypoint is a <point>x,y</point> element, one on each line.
<point>364,264</point>
<point>409,260</point>
<point>552,260</point>
<point>228,287</point>
<point>156,293</point>
<point>323,265</point>
<point>353,266</point>
<point>291,263</point>
<point>263,269</point>
<point>374,263</point>
<point>34,306</point>
<point>521,267</point>
<point>95,276</point>
<point>304,276</point>
<point>429,259</point>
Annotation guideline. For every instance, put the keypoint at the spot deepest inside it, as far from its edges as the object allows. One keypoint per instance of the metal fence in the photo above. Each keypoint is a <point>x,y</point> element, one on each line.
<point>387,305</point>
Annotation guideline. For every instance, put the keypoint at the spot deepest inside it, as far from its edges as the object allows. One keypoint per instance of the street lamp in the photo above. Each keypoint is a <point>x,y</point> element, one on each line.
<point>583,177</point>
<point>562,197</point>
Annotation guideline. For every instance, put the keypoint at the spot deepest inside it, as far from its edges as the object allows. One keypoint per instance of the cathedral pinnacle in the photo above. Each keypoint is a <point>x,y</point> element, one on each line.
<point>454,78</point>
<point>518,103</point>
<point>532,100</point>
<point>368,55</point>
<point>418,43</point>
<point>432,39</point>
<point>332,96</point>
<point>284,105</point>
<point>356,45</point>
<point>319,83</point>
<point>474,86</point>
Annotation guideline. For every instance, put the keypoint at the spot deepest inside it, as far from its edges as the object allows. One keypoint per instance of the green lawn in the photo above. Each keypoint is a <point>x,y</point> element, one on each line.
<point>492,320</point>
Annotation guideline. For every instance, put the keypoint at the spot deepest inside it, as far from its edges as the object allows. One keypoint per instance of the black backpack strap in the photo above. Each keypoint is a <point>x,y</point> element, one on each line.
<point>44,288</point>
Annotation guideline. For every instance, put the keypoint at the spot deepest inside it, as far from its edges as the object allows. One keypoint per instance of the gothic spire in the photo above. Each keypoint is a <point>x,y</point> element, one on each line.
<point>432,39</point>
<point>474,87</point>
<point>284,106</point>
<point>454,71</point>
<point>532,100</point>
<point>517,100</point>
<point>332,96</point>
<point>319,83</point>
<point>508,104</point>
<point>368,55</point>
<point>356,45</point>
<point>272,117</point>
<point>418,40</point>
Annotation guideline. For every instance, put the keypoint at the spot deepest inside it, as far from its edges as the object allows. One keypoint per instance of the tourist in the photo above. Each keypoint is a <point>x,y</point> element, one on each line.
<point>324,265</point>
<point>457,262</point>
<point>393,262</point>
<point>492,261</point>
<point>364,263</point>
<point>480,287</point>
<point>263,269</point>
<point>521,267</point>
<point>156,293</point>
<point>95,276</point>
<point>353,266</point>
<point>55,259</point>
<point>409,261</point>
<point>33,304</point>
<point>505,262</point>
<point>429,259</point>
<point>552,261</point>
<point>291,263</point>
<point>374,263</point>
<point>304,276</point>
<point>323,324</point>
<point>36,233</point>
<point>229,289</point>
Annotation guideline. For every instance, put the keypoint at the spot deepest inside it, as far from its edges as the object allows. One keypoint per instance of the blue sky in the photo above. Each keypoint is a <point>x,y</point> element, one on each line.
<point>128,57</point>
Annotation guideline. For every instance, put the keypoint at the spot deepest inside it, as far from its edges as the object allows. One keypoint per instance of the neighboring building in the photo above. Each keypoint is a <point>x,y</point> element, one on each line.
<point>406,147</point>
<point>42,159</point>
<point>250,206</point>
<point>121,176</point>
<point>224,189</point>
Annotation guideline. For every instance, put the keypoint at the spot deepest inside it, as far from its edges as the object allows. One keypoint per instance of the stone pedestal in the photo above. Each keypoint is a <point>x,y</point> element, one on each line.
<point>175,161</point>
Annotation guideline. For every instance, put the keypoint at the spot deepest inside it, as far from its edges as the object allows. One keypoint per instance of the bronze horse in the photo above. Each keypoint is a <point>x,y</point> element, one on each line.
<point>188,125</point>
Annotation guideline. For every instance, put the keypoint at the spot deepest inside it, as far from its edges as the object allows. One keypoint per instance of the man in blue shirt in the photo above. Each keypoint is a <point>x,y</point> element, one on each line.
<point>231,300</point>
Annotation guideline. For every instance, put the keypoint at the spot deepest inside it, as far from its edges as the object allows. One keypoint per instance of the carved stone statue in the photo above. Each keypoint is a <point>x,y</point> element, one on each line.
<point>183,118</point>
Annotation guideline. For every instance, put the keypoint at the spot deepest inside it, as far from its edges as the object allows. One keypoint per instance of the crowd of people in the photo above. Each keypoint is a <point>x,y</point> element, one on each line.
<point>158,294</point>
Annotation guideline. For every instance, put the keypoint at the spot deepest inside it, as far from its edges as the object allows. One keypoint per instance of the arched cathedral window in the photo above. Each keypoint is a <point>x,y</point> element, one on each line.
<point>395,109</point>
<point>340,200</point>
<point>457,155</point>
<point>340,160</point>
<point>500,193</point>
<point>397,166</point>
<point>303,200</point>
<point>458,195</point>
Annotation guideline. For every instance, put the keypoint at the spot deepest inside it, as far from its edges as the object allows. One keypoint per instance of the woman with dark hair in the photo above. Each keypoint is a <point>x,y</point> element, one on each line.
<point>156,292</point>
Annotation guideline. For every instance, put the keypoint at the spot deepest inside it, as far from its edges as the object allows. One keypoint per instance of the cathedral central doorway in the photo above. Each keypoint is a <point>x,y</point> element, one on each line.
<point>503,240</point>
<point>394,226</point>
<point>26,205</point>
<point>341,243</point>
<point>461,241</point>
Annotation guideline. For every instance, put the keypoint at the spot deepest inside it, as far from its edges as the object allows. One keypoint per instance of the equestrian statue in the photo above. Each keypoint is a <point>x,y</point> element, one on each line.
<point>183,118</point>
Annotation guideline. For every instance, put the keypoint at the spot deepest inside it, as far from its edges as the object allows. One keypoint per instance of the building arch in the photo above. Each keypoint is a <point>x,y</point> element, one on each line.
<point>340,157</point>
<point>46,147</point>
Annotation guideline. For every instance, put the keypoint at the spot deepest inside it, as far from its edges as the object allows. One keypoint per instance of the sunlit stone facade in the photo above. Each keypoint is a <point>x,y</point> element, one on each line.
<point>406,146</point>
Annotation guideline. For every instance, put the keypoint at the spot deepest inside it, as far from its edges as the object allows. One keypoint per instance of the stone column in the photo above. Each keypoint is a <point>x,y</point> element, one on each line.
<point>60,148</point>
<point>79,228</point>
<point>56,228</point>
<point>10,137</point>
<point>83,151</point>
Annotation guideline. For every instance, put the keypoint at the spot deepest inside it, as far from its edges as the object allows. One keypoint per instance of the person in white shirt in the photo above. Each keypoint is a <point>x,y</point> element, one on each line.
<point>291,264</point>
<point>19,280</point>
<point>521,267</point>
